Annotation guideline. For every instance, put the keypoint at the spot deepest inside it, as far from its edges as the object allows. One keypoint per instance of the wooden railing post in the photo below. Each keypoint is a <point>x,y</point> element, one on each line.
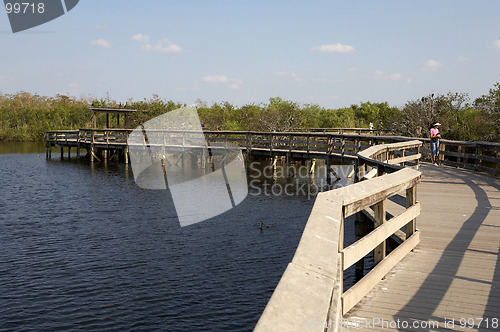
<point>92,146</point>
<point>442,148</point>
<point>271,142</point>
<point>477,161</point>
<point>418,160</point>
<point>126,152</point>
<point>360,168</point>
<point>78,140</point>
<point>380,210</point>
<point>411,199</point>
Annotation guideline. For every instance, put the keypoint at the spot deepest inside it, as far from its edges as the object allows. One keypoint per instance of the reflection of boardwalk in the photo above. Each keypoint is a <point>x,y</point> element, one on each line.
<point>454,272</point>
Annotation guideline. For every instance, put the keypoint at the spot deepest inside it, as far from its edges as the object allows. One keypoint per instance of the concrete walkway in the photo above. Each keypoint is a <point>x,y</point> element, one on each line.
<point>452,279</point>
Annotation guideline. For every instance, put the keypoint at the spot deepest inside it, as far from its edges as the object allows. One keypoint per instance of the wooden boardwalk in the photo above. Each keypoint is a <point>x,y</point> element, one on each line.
<point>451,281</point>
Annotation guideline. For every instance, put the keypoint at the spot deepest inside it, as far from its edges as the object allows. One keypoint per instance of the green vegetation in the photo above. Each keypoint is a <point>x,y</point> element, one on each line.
<point>26,117</point>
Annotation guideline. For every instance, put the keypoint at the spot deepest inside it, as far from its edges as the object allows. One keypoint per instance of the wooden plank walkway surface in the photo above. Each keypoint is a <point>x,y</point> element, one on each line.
<point>452,279</point>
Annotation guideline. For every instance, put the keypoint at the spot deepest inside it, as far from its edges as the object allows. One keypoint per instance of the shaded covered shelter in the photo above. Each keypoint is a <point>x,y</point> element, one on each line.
<point>119,111</point>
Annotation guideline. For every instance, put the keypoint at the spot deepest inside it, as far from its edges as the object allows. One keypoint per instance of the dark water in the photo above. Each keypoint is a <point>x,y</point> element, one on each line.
<point>84,248</point>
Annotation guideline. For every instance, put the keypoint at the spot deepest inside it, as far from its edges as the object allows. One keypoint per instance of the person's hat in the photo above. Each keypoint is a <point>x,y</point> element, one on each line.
<point>436,124</point>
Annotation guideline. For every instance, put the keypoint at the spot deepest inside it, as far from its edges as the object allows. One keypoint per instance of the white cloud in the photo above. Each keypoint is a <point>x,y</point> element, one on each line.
<point>462,60</point>
<point>291,76</point>
<point>140,37</point>
<point>333,48</point>
<point>431,65</point>
<point>163,46</point>
<point>221,79</point>
<point>101,43</point>
<point>496,44</point>
<point>215,79</point>
<point>381,76</point>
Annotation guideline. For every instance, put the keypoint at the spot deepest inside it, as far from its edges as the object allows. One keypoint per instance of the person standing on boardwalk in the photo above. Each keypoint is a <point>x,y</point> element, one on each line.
<point>371,127</point>
<point>435,136</point>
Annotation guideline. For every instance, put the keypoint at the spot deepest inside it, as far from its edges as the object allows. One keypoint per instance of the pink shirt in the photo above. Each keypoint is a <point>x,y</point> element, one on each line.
<point>434,132</point>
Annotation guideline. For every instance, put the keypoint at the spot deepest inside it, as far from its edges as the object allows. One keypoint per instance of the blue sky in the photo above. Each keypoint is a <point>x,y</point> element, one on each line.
<point>331,53</point>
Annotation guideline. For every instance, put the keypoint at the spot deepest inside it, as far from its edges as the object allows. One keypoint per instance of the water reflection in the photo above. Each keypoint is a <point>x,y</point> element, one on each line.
<point>22,147</point>
<point>296,179</point>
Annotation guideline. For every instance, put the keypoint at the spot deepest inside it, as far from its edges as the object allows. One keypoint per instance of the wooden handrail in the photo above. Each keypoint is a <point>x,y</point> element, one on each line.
<point>479,155</point>
<point>311,288</point>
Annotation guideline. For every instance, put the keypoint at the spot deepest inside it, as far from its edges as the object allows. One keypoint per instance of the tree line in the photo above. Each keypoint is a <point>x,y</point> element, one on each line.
<point>26,117</point>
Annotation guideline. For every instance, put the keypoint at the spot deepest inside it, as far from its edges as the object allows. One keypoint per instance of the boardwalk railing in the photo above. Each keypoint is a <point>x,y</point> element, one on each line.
<point>349,130</point>
<point>480,156</point>
<point>310,292</point>
<point>62,136</point>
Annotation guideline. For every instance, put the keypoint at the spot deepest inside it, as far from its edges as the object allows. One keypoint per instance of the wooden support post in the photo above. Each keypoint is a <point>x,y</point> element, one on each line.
<point>380,170</point>
<point>327,162</point>
<point>92,152</point>
<point>62,152</point>
<point>69,152</point>
<point>360,170</point>
<point>442,148</point>
<point>203,160</point>
<point>313,166</point>
<point>411,199</point>
<point>78,151</point>
<point>126,151</point>
<point>460,159</point>
<point>271,143</point>
<point>107,120</point>
<point>250,143</point>
<point>477,161</point>
<point>361,228</point>
<point>418,160</point>
<point>379,209</point>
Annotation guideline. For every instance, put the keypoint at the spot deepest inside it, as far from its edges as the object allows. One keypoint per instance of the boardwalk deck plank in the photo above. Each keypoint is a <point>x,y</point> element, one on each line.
<point>454,271</point>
